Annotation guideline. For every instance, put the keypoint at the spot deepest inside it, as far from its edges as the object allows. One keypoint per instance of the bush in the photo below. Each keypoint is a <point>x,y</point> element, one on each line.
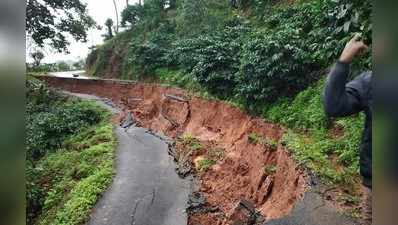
<point>132,14</point>
<point>145,57</point>
<point>275,55</point>
<point>274,65</point>
<point>316,146</point>
<point>305,111</point>
<point>46,130</point>
<point>196,17</point>
<point>51,120</point>
<point>213,61</point>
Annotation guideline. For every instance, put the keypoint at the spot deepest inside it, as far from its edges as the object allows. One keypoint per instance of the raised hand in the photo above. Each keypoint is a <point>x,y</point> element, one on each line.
<point>353,48</point>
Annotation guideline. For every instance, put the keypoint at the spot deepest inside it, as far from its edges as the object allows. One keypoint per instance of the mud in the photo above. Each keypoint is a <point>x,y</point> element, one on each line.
<point>249,170</point>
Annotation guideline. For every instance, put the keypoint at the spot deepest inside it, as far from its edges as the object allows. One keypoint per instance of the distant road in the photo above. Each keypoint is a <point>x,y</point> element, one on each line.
<point>69,74</point>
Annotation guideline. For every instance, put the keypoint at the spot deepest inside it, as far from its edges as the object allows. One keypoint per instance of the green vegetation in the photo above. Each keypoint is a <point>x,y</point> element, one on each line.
<point>192,142</point>
<point>44,68</point>
<point>270,169</point>
<point>259,52</point>
<point>70,153</point>
<point>267,57</point>
<point>216,153</point>
<point>204,164</point>
<point>50,22</point>
<point>330,148</point>
<point>254,138</point>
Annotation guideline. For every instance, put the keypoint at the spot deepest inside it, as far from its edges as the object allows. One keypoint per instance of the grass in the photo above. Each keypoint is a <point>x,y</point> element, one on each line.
<point>334,158</point>
<point>75,175</point>
<point>193,143</point>
<point>270,169</point>
<point>254,138</point>
<point>216,154</point>
<point>204,164</point>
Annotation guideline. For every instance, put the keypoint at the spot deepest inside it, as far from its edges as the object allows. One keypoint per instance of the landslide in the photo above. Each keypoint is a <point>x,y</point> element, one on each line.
<point>250,169</point>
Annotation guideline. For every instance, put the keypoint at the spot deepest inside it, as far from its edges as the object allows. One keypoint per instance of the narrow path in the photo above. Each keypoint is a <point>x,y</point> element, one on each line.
<point>146,189</point>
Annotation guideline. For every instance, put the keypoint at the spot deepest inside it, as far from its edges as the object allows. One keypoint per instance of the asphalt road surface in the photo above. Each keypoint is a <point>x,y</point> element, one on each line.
<point>146,189</point>
<point>70,74</point>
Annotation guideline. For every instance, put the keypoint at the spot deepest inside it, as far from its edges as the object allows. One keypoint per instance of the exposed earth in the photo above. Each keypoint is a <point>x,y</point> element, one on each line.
<point>248,170</point>
<point>146,189</point>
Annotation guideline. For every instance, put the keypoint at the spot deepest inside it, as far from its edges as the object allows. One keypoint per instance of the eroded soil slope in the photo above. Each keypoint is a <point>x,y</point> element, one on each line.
<point>253,166</point>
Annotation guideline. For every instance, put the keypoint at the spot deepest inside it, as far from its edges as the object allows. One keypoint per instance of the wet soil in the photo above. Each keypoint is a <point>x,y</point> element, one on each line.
<point>145,189</point>
<point>248,168</point>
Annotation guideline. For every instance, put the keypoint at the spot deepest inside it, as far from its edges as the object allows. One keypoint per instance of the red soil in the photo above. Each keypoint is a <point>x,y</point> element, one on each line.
<point>240,174</point>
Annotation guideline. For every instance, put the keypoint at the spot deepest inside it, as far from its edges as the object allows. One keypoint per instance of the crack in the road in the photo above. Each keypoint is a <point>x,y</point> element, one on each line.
<point>153,195</point>
<point>135,211</point>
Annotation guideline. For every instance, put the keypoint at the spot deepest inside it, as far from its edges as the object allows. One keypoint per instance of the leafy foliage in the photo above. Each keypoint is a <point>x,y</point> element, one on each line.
<point>204,164</point>
<point>276,65</point>
<point>49,118</point>
<point>270,169</point>
<point>152,54</point>
<point>241,59</point>
<point>201,16</point>
<point>50,21</point>
<point>37,57</point>
<point>334,158</point>
<point>132,14</point>
<point>212,60</point>
<point>268,56</point>
<point>70,146</point>
<point>109,33</point>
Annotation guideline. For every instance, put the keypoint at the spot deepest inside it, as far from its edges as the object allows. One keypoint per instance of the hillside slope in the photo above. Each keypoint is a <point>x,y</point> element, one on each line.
<point>267,57</point>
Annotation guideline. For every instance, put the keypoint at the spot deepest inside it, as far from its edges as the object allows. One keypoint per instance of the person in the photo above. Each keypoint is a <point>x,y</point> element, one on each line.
<point>344,99</point>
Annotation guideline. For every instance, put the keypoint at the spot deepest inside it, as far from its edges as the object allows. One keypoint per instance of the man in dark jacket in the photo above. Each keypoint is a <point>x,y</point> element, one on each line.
<point>344,99</point>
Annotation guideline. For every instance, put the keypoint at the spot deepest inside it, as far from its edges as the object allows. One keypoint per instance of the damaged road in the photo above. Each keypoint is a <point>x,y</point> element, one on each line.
<point>244,172</point>
<point>146,189</point>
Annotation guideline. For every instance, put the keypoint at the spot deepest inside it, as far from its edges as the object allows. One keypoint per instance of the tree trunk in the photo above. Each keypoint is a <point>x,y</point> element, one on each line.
<point>117,17</point>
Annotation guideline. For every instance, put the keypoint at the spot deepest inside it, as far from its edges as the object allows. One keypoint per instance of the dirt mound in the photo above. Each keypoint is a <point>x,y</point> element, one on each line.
<point>254,167</point>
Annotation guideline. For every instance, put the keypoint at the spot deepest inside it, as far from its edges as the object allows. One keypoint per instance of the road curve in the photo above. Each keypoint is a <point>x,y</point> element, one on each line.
<point>146,189</point>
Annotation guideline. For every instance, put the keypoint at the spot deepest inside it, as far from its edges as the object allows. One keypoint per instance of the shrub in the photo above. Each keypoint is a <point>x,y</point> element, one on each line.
<point>305,111</point>
<point>212,60</point>
<point>204,164</point>
<point>46,130</point>
<point>316,147</point>
<point>273,65</point>
<point>132,14</point>
<point>52,166</point>
<point>148,56</point>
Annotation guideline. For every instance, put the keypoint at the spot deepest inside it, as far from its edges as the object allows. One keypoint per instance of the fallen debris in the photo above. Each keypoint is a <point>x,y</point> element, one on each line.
<point>245,214</point>
<point>128,121</point>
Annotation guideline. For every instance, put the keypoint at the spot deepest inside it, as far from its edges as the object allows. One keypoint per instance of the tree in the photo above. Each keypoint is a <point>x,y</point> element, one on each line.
<point>172,4</point>
<point>108,24</point>
<point>37,57</point>
<point>192,15</point>
<point>63,66</point>
<point>117,17</point>
<point>50,21</point>
<point>132,14</point>
<point>78,65</point>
